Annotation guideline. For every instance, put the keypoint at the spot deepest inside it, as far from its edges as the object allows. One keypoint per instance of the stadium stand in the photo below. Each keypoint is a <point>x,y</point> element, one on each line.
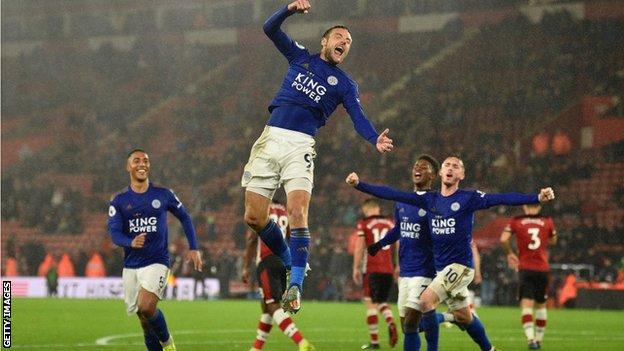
<point>99,85</point>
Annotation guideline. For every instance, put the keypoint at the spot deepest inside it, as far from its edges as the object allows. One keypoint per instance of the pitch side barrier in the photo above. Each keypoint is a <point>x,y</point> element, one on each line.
<point>105,288</point>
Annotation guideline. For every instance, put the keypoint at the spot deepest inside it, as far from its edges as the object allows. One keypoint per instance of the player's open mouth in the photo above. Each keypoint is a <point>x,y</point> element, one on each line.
<point>417,174</point>
<point>339,50</point>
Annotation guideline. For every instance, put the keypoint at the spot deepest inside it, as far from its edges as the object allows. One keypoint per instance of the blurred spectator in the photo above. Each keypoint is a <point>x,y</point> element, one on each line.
<point>226,270</point>
<point>199,276</point>
<point>47,263</point>
<point>561,144</point>
<point>567,294</point>
<point>95,267</point>
<point>10,267</point>
<point>606,271</point>
<point>176,268</point>
<point>66,267</point>
<point>81,263</point>
<point>51,278</point>
<point>540,144</point>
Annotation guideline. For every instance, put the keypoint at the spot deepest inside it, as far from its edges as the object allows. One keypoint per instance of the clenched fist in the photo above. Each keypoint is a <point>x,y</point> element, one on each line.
<point>353,179</point>
<point>299,6</point>
<point>546,194</point>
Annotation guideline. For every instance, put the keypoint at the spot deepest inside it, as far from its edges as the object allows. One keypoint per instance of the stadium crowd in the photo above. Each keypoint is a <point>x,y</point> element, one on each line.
<point>199,132</point>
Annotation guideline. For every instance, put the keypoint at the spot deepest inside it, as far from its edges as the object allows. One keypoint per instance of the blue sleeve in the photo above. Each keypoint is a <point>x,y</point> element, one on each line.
<point>175,207</point>
<point>388,193</point>
<point>288,47</point>
<point>115,226</point>
<point>395,233</point>
<point>362,125</point>
<point>482,200</point>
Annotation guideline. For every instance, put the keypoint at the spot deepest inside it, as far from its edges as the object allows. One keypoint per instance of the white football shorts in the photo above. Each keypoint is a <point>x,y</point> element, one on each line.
<point>280,156</point>
<point>451,285</point>
<point>152,278</point>
<point>410,289</point>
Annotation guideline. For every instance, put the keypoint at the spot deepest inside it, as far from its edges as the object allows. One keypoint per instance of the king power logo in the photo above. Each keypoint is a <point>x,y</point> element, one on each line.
<point>443,226</point>
<point>305,84</point>
<point>410,230</point>
<point>143,225</point>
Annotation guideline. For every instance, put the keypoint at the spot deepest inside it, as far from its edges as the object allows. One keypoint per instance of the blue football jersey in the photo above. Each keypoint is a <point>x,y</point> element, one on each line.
<point>451,218</point>
<point>312,88</point>
<point>131,214</point>
<point>415,247</point>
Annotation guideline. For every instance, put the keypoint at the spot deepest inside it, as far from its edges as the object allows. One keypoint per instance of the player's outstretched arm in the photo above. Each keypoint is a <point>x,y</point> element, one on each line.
<point>385,192</point>
<point>272,28</point>
<point>483,200</point>
<point>362,124</point>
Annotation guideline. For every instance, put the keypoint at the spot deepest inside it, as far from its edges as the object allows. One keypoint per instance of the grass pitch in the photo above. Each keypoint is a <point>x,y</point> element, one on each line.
<point>70,324</point>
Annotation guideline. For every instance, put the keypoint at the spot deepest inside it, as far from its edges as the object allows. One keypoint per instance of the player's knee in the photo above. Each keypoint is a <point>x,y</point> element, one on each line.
<point>146,310</point>
<point>463,317</point>
<point>297,217</point>
<point>411,321</point>
<point>253,221</point>
<point>426,306</point>
<point>410,328</point>
<point>272,307</point>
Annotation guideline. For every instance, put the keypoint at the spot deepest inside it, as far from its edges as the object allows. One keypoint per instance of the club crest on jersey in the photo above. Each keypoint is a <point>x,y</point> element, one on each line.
<point>422,212</point>
<point>156,203</point>
<point>112,211</point>
<point>455,206</point>
<point>331,80</point>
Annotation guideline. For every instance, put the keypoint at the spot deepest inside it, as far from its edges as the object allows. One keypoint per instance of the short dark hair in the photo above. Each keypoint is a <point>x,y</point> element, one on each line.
<point>136,150</point>
<point>432,161</point>
<point>326,34</point>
